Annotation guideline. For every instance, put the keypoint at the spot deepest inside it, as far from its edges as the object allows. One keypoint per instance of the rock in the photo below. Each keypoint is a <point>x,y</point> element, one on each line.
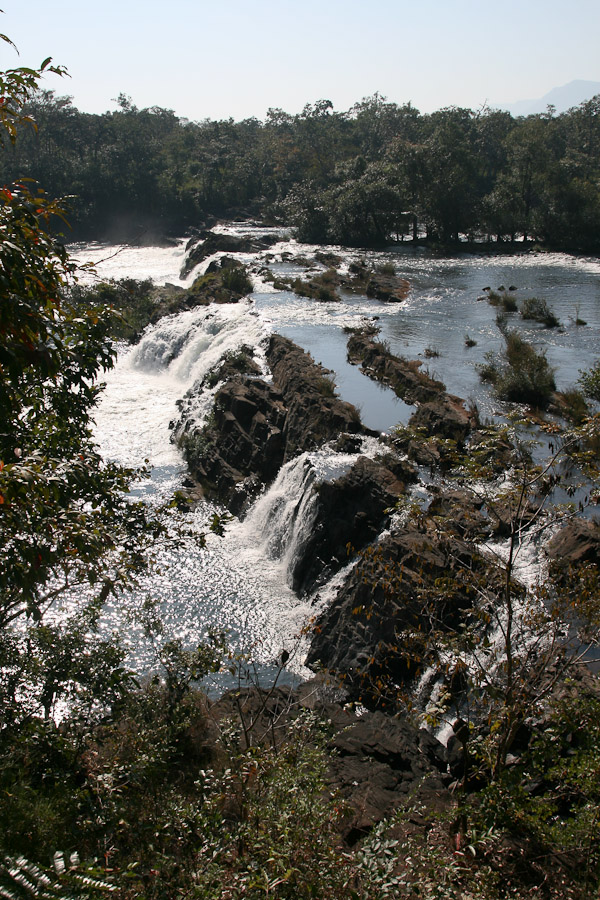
<point>444,417</point>
<point>349,513</point>
<point>575,544</point>
<point>460,511</point>
<point>378,763</point>
<point>387,287</point>
<point>243,446</point>
<point>403,376</point>
<point>375,631</point>
<point>315,415</point>
<point>209,242</point>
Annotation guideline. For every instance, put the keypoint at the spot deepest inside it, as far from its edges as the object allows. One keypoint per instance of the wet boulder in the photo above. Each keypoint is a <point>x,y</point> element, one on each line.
<point>348,514</point>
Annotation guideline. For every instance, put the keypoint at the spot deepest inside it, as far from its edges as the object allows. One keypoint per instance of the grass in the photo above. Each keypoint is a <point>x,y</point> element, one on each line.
<point>505,300</point>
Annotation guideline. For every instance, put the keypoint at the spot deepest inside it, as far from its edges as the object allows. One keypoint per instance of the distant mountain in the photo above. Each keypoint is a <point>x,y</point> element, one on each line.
<point>563,98</point>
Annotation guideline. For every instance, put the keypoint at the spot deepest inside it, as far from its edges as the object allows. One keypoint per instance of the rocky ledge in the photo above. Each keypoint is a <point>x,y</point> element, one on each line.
<point>414,581</point>
<point>206,243</point>
<point>258,425</point>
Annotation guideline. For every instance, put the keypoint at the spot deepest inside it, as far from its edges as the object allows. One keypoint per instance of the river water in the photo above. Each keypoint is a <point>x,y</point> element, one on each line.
<point>239,581</point>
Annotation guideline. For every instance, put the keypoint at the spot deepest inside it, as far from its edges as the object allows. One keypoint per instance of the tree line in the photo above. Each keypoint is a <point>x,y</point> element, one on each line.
<point>376,173</point>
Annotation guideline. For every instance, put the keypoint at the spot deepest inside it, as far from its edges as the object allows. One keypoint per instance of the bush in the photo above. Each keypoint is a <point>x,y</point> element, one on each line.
<point>521,374</point>
<point>590,382</point>
<point>539,311</point>
<point>503,299</point>
<point>574,406</point>
<point>236,279</point>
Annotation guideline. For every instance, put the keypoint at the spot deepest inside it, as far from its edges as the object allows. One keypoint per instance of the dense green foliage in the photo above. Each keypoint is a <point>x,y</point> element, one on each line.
<point>68,528</point>
<point>376,173</point>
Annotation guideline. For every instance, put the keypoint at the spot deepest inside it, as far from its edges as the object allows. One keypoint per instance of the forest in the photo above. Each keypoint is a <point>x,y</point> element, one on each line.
<point>374,174</point>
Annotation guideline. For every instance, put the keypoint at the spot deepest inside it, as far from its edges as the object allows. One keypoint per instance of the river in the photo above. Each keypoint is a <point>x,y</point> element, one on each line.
<point>238,582</point>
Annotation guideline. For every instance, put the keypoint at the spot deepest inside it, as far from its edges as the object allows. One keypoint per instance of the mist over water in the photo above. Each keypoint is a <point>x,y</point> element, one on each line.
<point>239,582</point>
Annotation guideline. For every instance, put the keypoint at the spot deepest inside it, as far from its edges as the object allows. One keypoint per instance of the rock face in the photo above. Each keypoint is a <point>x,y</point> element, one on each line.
<point>243,446</point>
<point>350,512</point>
<point>378,763</point>
<point>256,426</point>
<point>461,512</point>
<point>413,581</point>
<point>226,243</point>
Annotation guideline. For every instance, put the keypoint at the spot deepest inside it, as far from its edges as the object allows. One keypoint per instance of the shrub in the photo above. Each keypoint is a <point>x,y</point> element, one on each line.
<point>522,374</point>
<point>590,382</point>
<point>503,299</point>
<point>538,310</point>
<point>573,405</point>
<point>236,279</point>
<point>326,386</point>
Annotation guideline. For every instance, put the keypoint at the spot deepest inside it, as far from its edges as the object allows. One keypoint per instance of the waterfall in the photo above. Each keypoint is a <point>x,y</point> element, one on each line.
<point>281,520</point>
<point>282,517</point>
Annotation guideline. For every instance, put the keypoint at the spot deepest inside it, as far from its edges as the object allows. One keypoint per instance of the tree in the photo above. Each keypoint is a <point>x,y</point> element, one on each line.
<point>67,523</point>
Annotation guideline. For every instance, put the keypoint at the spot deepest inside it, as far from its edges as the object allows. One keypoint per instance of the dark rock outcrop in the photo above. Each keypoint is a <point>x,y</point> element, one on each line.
<point>349,513</point>
<point>460,512</point>
<point>413,581</point>
<point>212,242</point>
<point>243,446</point>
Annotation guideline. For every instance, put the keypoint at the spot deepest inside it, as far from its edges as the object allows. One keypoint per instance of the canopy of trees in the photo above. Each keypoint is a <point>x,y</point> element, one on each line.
<point>376,173</point>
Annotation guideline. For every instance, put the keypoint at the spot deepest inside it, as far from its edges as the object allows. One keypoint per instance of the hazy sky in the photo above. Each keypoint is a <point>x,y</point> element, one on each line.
<point>239,57</point>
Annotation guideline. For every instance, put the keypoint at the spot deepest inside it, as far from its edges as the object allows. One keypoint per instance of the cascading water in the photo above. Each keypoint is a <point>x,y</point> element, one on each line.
<point>240,581</point>
<point>281,521</point>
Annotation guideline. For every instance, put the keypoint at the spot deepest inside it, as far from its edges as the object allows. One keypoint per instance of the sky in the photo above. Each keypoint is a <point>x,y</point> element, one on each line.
<point>238,58</point>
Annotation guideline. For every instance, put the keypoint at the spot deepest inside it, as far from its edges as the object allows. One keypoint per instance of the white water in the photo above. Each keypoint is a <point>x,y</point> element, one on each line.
<point>240,581</point>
